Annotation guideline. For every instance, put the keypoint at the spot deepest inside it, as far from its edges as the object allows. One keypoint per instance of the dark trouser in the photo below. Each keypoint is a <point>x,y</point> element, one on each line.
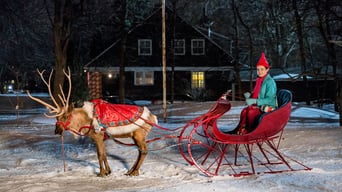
<point>247,120</point>
<point>248,116</point>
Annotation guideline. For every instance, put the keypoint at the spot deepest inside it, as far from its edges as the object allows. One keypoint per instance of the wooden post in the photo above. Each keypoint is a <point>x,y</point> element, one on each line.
<point>164,60</point>
<point>338,102</point>
<point>233,91</point>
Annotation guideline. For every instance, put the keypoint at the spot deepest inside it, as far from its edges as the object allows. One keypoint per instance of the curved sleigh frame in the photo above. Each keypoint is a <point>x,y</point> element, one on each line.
<point>214,152</point>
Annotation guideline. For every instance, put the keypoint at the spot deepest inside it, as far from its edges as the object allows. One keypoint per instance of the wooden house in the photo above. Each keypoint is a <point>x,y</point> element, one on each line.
<point>196,65</point>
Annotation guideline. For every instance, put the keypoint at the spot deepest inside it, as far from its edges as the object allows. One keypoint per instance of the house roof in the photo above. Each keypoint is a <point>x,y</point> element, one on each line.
<point>92,62</point>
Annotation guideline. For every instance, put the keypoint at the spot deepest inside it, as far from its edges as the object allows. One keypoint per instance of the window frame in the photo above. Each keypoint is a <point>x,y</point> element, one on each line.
<point>196,47</point>
<point>142,46</point>
<point>144,78</point>
<point>199,82</point>
<point>176,46</point>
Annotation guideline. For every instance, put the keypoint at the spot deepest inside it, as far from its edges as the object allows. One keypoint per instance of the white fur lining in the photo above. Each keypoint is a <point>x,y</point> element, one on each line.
<point>130,127</point>
<point>88,107</point>
<point>118,130</point>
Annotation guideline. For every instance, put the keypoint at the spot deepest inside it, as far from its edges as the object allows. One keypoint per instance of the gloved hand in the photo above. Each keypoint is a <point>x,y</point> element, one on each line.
<point>251,101</point>
<point>247,95</point>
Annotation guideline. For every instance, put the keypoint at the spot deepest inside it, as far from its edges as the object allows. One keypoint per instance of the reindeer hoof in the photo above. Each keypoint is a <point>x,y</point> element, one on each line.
<point>132,173</point>
<point>108,172</point>
<point>101,175</point>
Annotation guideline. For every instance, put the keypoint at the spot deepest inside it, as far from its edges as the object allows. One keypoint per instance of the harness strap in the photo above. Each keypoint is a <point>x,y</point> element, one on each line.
<point>66,124</point>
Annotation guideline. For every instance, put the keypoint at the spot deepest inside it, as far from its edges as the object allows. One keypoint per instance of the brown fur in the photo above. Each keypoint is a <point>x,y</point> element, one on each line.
<point>79,118</point>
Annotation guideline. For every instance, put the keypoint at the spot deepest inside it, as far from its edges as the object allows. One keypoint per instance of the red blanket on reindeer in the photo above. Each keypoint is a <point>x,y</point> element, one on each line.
<point>119,118</point>
<point>113,115</point>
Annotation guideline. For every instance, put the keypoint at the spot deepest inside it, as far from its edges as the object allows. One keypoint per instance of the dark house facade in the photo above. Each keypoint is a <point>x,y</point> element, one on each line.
<point>195,64</point>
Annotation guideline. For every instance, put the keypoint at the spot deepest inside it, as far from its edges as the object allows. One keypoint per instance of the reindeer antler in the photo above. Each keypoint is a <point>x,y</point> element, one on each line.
<point>65,100</point>
<point>62,98</point>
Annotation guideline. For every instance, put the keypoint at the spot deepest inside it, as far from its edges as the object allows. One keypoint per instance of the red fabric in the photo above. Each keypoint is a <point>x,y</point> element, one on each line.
<point>263,61</point>
<point>257,87</point>
<point>111,115</point>
<point>247,117</point>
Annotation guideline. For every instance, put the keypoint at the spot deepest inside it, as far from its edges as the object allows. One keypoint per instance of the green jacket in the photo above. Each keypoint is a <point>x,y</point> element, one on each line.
<point>268,91</point>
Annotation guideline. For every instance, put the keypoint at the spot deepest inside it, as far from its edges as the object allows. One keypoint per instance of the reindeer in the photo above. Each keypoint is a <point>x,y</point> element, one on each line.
<point>100,120</point>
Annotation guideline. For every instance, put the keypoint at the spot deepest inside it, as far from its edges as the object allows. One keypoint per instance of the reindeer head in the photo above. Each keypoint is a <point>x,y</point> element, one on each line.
<point>60,111</point>
<point>63,121</point>
<point>75,120</point>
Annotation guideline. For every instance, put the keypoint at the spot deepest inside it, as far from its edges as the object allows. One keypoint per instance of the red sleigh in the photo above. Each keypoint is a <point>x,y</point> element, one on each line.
<point>214,152</point>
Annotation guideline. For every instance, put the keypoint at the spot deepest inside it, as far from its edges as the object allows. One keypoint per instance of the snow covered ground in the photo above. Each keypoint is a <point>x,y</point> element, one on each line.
<point>31,158</point>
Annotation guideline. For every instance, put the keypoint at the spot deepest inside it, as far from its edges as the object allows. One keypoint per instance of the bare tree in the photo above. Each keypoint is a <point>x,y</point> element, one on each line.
<point>236,46</point>
<point>23,38</point>
<point>250,43</point>
<point>130,12</point>
<point>328,23</point>
<point>123,32</point>
<point>61,27</point>
<point>299,24</point>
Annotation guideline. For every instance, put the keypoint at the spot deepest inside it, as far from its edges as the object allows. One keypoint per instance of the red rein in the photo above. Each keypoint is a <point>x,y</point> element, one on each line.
<point>65,126</point>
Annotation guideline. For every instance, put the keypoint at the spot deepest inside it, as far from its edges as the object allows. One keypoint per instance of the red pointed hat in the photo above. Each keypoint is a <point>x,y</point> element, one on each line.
<point>262,61</point>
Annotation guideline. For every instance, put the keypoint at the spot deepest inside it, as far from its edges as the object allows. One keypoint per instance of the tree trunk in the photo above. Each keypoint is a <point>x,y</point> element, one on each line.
<point>61,38</point>
<point>236,52</point>
<point>300,36</point>
<point>173,24</point>
<point>251,48</point>
<point>123,52</point>
<point>326,33</point>
<point>339,99</point>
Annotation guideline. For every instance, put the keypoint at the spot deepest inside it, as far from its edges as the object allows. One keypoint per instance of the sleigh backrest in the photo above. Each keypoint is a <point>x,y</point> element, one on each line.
<point>270,124</point>
<point>273,122</point>
<point>283,98</point>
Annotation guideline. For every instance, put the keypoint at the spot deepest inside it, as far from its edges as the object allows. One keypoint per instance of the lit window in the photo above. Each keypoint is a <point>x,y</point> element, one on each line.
<point>197,80</point>
<point>143,78</point>
<point>144,47</point>
<point>179,46</point>
<point>197,46</point>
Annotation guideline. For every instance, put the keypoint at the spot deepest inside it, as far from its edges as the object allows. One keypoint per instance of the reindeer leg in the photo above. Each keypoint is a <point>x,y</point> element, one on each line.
<point>139,138</point>
<point>101,154</point>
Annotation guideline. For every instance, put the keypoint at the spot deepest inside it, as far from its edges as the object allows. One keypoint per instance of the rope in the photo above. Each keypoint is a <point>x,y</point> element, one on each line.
<point>150,141</point>
<point>63,157</point>
<point>165,147</point>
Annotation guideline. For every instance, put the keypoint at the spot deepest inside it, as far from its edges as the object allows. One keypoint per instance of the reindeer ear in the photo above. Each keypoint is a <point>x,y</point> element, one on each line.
<point>71,107</point>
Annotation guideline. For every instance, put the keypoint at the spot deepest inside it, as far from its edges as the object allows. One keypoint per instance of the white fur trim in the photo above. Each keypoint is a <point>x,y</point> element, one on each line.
<point>118,130</point>
<point>89,108</point>
<point>131,127</point>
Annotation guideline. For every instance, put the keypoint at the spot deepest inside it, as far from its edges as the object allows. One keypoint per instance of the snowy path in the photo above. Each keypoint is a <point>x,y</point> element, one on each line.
<point>31,159</point>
